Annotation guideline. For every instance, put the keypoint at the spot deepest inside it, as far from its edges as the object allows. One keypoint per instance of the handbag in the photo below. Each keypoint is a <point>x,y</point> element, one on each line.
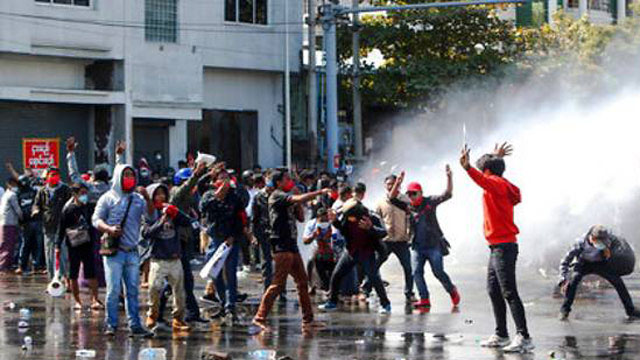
<point>109,244</point>
<point>78,236</point>
<point>444,246</point>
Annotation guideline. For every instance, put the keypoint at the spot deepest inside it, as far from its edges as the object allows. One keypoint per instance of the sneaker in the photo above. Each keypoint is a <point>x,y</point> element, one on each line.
<point>424,303</point>
<point>242,297</point>
<point>519,345</point>
<point>495,341</point>
<point>328,306</point>
<point>210,299</point>
<point>455,297</point>
<point>140,332</point>
<point>109,330</point>
<point>179,325</point>
<point>219,314</point>
<point>635,315</point>
<point>563,316</point>
<point>410,299</point>
<point>385,310</point>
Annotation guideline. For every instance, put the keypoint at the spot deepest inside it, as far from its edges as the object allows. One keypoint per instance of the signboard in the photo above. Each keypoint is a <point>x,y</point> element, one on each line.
<point>40,154</point>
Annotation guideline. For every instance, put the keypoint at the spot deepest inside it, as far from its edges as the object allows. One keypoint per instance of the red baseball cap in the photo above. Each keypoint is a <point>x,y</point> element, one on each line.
<point>414,186</point>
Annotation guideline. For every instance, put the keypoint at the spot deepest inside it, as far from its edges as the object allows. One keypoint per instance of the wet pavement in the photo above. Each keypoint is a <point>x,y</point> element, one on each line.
<point>597,328</point>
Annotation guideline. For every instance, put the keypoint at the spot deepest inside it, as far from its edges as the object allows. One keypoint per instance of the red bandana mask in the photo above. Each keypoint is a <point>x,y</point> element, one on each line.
<point>128,183</point>
<point>416,201</point>
<point>288,186</point>
<point>54,180</point>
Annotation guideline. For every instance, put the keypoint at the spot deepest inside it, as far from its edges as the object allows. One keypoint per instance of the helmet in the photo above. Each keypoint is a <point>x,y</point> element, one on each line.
<point>247,175</point>
<point>182,175</point>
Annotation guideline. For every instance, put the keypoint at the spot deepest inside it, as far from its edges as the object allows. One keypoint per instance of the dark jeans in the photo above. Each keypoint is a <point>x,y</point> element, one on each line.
<point>325,269</point>
<point>246,251</point>
<point>343,268</point>
<point>267,262</point>
<point>502,287</point>
<point>583,269</point>
<point>434,257</point>
<point>31,246</point>
<point>193,311</point>
<point>403,253</point>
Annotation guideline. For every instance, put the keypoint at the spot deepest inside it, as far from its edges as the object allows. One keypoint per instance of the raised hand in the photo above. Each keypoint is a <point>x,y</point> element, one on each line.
<point>505,149</point>
<point>465,156</point>
<point>447,170</point>
<point>121,147</point>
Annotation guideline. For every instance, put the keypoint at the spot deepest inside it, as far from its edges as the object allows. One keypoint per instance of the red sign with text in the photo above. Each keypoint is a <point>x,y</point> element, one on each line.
<point>40,154</point>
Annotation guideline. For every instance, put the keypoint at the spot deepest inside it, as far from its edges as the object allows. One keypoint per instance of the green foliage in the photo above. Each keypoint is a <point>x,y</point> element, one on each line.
<point>427,51</point>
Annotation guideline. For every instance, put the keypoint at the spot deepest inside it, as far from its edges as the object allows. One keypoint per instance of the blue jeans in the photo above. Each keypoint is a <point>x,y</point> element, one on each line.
<point>434,256</point>
<point>119,268</point>
<point>227,281</point>
<point>50,253</point>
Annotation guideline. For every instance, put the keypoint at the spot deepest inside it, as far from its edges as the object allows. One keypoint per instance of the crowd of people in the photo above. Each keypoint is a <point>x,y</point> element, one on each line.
<point>129,230</point>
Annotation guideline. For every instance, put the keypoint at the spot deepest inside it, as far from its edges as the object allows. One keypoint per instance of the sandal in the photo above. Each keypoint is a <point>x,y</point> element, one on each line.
<point>77,306</point>
<point>97,305</point>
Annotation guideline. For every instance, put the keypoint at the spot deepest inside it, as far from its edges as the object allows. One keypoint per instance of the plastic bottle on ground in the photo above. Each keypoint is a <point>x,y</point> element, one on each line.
<point>85,353</point>
<point>152,354</point>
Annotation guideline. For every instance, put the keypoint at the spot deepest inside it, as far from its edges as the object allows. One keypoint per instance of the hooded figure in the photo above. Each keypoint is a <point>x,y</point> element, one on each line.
<point>123,266</point>
<point>160,228</point>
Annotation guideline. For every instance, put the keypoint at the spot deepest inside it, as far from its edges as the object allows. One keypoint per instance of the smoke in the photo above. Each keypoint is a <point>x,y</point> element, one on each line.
<point>576,158</point>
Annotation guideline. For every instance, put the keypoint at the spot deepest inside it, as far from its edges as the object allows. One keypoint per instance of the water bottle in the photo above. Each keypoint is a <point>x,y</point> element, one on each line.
<point>23,324</point>
<point>28,341</point>
<point>262,354</point>
<point>152,354</point>
<point>84,353</point>
<point>10,305</point>
<point>25,314</point>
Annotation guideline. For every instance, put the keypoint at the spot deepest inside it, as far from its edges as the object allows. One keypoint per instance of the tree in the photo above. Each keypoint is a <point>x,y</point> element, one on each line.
<point>425,51</point>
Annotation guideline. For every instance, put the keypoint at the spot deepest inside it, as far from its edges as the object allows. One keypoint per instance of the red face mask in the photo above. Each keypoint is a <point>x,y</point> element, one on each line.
<point>416,201</point>
<point>158,205</point>
<point>128,183</point>
<point>54,180</point>
<point>334,195</point>
<point>288,186</point>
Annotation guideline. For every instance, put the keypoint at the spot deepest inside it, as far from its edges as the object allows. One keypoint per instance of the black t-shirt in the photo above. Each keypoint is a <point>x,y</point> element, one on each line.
<point>74,216</point>
<point>427,232</point>
<point>284,234</point>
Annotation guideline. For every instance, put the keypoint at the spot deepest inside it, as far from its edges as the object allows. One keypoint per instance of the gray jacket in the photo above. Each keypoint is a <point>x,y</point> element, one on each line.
<point>10,212</point>
<point>111,208</point>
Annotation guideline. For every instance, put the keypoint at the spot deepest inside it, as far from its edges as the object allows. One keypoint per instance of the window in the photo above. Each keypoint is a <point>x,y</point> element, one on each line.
<point>161,20</point>
<point>246,11</point>
<point>85,3</point>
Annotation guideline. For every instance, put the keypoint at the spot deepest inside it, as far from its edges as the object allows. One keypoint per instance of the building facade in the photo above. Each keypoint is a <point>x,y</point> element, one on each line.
<point>168,76</point>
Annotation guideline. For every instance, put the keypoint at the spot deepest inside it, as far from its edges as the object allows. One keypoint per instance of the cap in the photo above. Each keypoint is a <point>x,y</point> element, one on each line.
<point>414,186</point>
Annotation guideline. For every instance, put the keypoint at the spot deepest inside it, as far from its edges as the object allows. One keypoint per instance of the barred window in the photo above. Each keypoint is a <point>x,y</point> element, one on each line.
<point>161,20</point>
<point>246,11</point>
<point>85,3</point>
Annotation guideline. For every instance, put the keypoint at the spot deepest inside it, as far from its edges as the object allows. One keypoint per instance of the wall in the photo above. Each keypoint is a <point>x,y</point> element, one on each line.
<point>250,91</point>
<point>32,120</point>
<point>39,71</point>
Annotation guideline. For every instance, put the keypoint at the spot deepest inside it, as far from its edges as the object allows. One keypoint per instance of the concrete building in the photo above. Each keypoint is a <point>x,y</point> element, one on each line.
<point>169,76</point>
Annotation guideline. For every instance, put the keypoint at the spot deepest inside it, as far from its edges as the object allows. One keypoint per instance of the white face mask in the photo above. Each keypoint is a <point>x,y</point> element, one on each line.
<point>599,245</point>
<point>323,225</point>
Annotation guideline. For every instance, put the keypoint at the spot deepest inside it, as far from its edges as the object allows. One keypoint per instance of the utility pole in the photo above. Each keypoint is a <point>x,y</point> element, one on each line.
<point>357,109</point>
<point>329,17</point>
<point>330,13</point>
<point>287,85</point>
<point>312,101</point>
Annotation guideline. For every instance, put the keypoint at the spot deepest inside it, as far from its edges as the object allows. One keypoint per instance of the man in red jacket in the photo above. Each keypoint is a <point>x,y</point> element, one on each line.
<point>499,198</point>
